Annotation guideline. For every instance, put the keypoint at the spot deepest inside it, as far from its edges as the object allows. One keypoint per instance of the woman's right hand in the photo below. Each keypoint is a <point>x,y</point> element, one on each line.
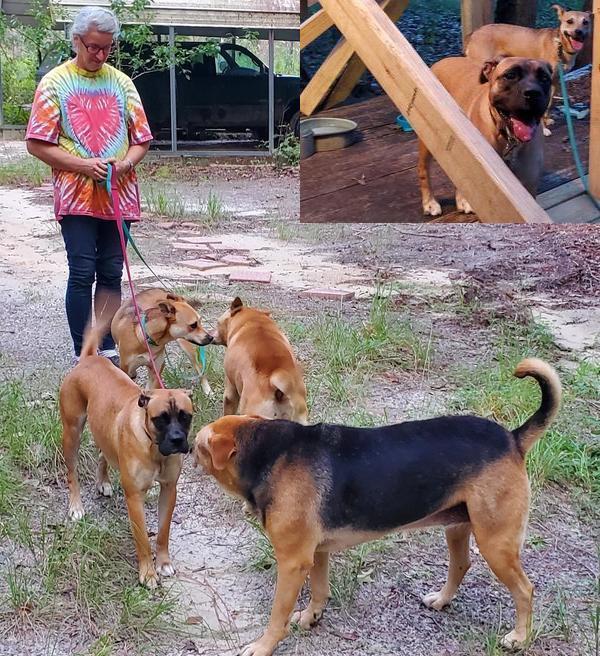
<point>94,168</point>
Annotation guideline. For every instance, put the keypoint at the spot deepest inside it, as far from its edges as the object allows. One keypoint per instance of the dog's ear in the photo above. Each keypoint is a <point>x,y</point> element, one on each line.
<point>222,449</point>
<point>559,10</point>
<point>167,309</point>
<point>236,305</point>
<point>488,69</point>
<point>143,400</point>
<point>174,297</point>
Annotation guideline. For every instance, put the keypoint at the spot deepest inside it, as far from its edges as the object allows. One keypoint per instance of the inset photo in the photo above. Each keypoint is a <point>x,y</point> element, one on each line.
<point>449,111</point>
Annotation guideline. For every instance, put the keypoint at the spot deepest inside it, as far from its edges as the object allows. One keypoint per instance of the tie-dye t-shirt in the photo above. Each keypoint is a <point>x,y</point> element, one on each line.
<point>90,115</point>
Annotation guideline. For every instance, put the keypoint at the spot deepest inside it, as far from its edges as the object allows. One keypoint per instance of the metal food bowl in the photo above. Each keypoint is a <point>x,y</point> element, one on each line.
<point>329,133</point>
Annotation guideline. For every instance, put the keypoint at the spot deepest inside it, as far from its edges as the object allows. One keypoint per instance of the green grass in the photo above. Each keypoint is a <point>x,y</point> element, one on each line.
<point>163,202</point>
<point>569,453</point>
<point>27,171</point>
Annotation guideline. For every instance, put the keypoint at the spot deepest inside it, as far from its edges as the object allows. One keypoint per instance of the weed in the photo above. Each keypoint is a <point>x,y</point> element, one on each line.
<point>287,152</point>
<point>28,171</point>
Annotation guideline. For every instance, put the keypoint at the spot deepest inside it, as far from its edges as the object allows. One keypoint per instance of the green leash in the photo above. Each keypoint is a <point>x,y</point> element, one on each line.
<point>572,140</point>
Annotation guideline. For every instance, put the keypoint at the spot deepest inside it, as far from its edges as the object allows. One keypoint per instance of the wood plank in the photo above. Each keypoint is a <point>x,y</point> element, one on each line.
<point>318,88</point>
<point>355,69</point>
<point>561,194</point>
<point>461,150</point>
<point>580,209</point>
<point>594,175</point>
<point>313,27</point>
<point>474,14</point>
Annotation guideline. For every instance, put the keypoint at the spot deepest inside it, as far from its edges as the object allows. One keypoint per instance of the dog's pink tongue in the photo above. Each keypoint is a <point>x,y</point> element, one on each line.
<point>577,45</point>
<point>522,131</point>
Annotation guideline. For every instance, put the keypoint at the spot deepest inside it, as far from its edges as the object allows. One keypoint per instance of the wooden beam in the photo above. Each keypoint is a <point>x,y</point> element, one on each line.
<point>355,69</point>
<point>313,27</point>
<point>594,174</point>
<point>460,149</point>
<point>318,88</point>
<point>474,14</point>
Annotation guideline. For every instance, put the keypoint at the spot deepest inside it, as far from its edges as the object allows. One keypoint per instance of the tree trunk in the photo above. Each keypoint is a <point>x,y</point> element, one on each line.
<point>517,12</point>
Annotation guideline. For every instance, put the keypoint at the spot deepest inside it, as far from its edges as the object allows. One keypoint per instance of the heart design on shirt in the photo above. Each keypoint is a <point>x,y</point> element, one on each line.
<point>95,120</point>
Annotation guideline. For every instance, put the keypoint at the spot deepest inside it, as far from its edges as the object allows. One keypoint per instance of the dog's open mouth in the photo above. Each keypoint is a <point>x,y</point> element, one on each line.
<point>576,44</point>
<point>523,131</point>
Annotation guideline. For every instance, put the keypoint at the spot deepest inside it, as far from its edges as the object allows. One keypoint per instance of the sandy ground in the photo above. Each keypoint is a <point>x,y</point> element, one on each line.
<point>555,270</point>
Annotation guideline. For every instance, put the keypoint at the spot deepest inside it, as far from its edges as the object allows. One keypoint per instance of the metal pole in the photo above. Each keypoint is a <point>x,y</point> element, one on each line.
<point>271,91</point>
<point>173,90</point>
<point>1,97</point>
<point>594,144</point>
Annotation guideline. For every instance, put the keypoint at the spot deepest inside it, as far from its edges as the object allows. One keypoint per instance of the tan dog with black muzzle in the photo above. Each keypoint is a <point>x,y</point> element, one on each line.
<point>262,375</point>
<point>141,434</point>
<point>505,99</point>
<point>323,488</point>
<point>554,45</point>
<point>166,317</point>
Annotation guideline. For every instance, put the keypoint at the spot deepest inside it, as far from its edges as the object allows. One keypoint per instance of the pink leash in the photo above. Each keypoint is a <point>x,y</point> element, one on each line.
<point>114,192</point>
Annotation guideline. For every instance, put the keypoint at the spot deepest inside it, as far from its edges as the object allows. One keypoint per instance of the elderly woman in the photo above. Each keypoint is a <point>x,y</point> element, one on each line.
<point>85,115</point>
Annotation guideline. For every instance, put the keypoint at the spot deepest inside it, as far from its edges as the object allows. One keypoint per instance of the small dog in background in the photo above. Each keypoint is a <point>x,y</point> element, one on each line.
<point>262,375</point>
<point>141,434</point>
<point>166,317</point>
<point>558,46</point>
<point>323,488</point>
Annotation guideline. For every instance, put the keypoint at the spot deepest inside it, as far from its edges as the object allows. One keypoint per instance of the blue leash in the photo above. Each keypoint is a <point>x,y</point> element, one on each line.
<point>200,351</point>
<point>572,140</point>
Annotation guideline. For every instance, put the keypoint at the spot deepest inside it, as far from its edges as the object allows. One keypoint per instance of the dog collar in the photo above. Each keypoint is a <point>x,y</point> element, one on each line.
<point>511,141</point>
<point>144,319</point>
<point>560,50</point>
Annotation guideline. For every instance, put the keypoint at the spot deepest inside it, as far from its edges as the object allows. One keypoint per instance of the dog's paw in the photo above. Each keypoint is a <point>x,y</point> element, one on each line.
<point>76,511</point>
<point>206,388</point>
<point>549,121</point>
<point>104,488</point>
<point>257,648</point>
<point>432,208</point>
<point>462,205</point>
<point>435,600</point>
<point>513,641</point>
<point>165,569</point>
<point>149,579</point>
<point>547,132</point>
<point>306,618</point>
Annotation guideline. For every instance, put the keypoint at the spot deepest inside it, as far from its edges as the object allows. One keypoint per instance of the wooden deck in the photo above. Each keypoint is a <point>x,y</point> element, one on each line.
<point>375,179</point>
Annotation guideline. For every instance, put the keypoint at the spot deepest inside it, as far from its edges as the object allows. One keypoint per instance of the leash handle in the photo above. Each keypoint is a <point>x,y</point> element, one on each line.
<point>114,193</point>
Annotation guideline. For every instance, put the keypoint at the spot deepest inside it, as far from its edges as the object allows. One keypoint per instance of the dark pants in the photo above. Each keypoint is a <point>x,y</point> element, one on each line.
<point>94,254</point>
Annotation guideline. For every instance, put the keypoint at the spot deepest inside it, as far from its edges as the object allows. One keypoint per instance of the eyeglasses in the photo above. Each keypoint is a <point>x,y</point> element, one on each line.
<point>94,50</point>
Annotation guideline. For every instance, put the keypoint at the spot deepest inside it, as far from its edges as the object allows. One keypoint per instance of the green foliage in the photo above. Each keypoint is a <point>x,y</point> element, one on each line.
<point>287,153</point>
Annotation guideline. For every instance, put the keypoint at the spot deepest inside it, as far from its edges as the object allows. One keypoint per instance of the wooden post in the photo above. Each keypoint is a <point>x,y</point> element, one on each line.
<point>594,170</point>
<point>313,27</point>
<point>460,149</point>
<point>474,14</point>
<point>329,71</point>
<point>350,77</point>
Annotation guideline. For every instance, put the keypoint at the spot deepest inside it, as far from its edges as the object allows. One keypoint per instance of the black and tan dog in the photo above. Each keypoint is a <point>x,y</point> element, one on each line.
<point>505,99</point>
<point>142,434</point>
<point>324,488</point>
<point>166,317</point>
<point>558,46</point>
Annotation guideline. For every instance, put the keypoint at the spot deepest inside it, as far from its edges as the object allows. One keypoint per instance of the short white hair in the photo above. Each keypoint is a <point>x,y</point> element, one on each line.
<point>98,18</point>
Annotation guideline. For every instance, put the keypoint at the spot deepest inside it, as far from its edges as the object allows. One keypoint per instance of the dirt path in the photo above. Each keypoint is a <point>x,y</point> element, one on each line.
<point>224,599</point>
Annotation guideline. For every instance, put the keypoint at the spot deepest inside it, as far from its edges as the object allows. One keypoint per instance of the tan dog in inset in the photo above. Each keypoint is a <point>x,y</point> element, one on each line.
<point>505,99</point>
<point>323,488</point>
<point>141,434</point>
<point>262,375</point>
<point>166,317</point>
<point>554,45</point>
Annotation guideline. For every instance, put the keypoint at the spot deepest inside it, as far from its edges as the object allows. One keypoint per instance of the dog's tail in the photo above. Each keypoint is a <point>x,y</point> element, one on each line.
<point>286,394</point>
<point>549,382</point>
<point>92,337</point>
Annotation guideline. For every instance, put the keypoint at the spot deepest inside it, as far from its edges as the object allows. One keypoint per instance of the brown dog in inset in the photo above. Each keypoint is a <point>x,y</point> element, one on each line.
<point>262,376</point>
<point>323,488</point>
<point>505,99</point>
<point>554,45</point>
<point>142,434</point>
<point>166,317</point>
